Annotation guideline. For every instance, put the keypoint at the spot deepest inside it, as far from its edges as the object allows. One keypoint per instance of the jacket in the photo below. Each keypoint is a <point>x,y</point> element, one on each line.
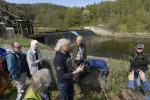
<point>31,94</point>
<point>74,50</point>
<point>16,65</point>
<point>33,63</point>
<point>63,66</point>
<point>139,61</point>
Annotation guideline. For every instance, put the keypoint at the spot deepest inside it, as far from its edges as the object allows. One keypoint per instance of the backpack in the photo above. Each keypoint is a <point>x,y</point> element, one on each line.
<point>3,64</point>
<point>97,63</point>
<point>100,66</point>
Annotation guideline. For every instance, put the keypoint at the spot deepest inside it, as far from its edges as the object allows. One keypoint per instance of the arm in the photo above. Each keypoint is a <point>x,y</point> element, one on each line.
<point>11,65</point>
<point>30,60</point>
<point>146,86</point>
<point>131,84</point>
<point>131,78</point>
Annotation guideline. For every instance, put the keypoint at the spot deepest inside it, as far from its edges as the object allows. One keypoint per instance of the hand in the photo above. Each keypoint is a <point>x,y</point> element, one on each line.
<point>131,75</point>
<point>142,75</point>
<point>40,60</point>
<point>79,69</point>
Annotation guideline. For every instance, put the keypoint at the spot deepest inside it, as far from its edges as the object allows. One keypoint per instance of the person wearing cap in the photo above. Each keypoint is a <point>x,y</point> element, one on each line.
<point>139,61</point>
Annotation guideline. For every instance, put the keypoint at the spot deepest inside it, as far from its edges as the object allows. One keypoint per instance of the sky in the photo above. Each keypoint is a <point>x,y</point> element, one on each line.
<point>69,3</point>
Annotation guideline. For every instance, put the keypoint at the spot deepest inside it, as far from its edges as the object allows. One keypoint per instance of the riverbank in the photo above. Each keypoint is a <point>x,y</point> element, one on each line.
<point>125,35</point>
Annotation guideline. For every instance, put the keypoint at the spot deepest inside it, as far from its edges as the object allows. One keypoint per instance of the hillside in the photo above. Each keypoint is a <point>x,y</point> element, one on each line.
<point>119,15</point>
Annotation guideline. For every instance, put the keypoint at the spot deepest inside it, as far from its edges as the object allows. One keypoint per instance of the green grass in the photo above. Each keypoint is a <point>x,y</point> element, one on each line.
<point>24,41</point>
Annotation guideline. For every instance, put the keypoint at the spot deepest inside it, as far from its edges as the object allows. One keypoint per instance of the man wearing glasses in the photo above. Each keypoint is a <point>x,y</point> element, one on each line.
<point>17,67</point>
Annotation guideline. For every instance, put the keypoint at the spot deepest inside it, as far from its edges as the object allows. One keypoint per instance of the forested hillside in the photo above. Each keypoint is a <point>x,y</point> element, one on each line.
<point>119,15</point>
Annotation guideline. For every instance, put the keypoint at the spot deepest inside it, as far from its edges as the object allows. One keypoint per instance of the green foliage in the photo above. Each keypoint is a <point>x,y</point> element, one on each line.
<point>119,15</point>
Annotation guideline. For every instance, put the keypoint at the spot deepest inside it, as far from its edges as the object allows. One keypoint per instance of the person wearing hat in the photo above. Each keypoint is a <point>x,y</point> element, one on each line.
<point>139,61</point>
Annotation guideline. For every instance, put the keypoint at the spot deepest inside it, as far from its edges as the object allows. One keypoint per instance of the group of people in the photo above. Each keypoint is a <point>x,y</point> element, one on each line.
<point>69,63</point>
<point>21,66</point>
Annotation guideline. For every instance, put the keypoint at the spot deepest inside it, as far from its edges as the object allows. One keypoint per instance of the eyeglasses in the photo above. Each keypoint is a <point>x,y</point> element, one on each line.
<point>140,48</point>
<point>18,47</point>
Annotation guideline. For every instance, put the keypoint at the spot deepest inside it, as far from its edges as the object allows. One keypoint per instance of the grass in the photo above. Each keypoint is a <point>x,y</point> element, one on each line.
<point>24,41</point>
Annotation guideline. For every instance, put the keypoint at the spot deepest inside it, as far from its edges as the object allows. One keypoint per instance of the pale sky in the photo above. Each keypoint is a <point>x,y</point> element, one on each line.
<point>69,3</point>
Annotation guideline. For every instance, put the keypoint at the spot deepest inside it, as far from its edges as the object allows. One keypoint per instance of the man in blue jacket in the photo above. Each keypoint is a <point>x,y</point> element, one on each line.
<point>145,89</point>
<point>17,67</point>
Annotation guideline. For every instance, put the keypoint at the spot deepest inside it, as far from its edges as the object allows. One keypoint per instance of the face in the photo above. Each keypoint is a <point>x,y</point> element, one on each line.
<point>66,47</point>
<point>17,47</point>
<point>79,40</point>
<point>36,46</point>
<point>139,50</point>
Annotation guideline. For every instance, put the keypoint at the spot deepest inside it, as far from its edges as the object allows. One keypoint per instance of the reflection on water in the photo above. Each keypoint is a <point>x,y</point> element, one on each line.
<point>118,48</point>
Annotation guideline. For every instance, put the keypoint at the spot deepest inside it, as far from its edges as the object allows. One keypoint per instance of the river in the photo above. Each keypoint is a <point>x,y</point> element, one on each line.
<point>112,47</point>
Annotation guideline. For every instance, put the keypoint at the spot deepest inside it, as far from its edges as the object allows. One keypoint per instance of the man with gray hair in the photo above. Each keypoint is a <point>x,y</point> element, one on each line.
<point>63,66</point>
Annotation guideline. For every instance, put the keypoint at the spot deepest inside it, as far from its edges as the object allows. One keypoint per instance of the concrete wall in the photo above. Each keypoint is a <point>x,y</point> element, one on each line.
<point>6,32</point>
<point>98,30</point>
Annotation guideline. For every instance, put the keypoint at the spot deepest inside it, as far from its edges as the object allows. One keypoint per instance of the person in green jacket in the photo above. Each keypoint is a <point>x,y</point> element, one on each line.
<point>79,55</point>
<point>40,82</point>
<point>78,51</point>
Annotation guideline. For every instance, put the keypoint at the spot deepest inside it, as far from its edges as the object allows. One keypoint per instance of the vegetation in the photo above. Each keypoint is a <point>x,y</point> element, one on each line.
<point>119,15</point>
<point>24,41</point>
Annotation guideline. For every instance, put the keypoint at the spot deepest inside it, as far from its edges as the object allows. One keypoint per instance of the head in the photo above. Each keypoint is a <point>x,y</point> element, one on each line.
<point>140,48</point>
<point>79,40</point>
<point>128,94</point>
<point>34,44</point>
<point>41,80</point>
<point>16,47</point>
<point>63,45</point>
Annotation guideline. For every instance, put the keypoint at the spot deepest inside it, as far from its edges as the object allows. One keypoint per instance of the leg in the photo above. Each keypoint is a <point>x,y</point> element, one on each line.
<point>21,86</point>
<point>70,91</point>
<point>63,91</point>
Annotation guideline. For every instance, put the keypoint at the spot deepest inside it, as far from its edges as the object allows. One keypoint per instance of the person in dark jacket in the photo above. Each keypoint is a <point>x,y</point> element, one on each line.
<point>145,84</point>
<point>139,60</point>
<point>63,66</point>
<point>17,68</point>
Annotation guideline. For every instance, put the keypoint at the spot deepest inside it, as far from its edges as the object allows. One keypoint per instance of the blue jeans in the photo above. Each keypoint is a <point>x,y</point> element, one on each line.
<point>66,91</point>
